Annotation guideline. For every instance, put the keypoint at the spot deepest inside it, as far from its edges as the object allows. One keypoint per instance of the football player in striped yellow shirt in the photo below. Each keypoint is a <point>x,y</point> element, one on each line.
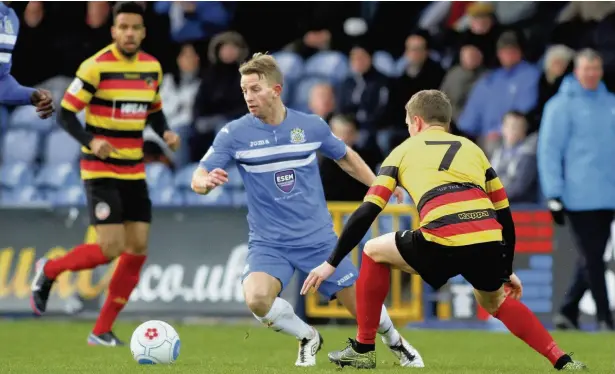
<point>466,228</point>
<point>119,89</point>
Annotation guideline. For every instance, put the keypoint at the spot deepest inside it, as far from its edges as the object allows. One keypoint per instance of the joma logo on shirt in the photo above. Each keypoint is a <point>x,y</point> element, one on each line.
<point>473,215</point>
<point>258,143</point>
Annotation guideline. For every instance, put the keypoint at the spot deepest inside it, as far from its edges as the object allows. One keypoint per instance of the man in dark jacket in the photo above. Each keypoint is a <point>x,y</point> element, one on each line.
<point>364,94</point>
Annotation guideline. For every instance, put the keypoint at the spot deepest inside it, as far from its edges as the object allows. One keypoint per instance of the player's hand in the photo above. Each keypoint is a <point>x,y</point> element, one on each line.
<point>557,211</point>
<point>43,102</point>
<point>172,139</point>
<point>399,195</point>
<point>317,276</point>
<point>101,148</point>
<point>516,288</point>
<point>204,183</point>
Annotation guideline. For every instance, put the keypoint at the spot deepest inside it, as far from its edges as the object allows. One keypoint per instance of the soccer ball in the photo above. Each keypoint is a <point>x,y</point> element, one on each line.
<point>155,342</point>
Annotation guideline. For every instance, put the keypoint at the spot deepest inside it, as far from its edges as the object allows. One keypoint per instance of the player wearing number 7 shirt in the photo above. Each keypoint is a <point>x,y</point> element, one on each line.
<point>466,228</point>
<point>290,225</point>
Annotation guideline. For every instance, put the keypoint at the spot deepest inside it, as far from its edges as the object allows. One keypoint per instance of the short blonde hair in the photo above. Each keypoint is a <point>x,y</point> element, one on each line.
<point>433,106</point>
<point>265,66</point>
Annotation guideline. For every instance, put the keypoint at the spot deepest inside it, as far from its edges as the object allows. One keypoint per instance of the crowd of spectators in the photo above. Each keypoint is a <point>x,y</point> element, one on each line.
<point>499,62</point>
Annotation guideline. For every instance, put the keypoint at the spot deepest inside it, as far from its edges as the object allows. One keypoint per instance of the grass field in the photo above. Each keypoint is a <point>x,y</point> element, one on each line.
<point>35,347</point>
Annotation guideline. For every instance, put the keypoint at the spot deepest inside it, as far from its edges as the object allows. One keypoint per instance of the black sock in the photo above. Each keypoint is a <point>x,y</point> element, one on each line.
<point>559,365</point>
<point>364,348</point>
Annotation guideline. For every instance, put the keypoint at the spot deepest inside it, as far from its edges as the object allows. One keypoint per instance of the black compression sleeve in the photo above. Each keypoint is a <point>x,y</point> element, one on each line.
<point>356,227</point>
<point>69,122</point>
<point>158,122</point>
<point>504,217</point>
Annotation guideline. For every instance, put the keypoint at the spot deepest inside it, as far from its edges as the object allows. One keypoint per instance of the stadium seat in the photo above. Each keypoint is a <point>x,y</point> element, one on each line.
<point>183,177</point>
<point>158,175</point>
<point>166,196</point>
<point>22,196</point>
<point>60,148</point>
<point>56,176</point>
<point>217,197</point>
<point>330,64</point>
<point>20,145</point>
<point>25,117</point>
<point>15,174</point>
<point>301,94</point>
<point>384,63</point>
<point>71,196</point>
<point>291,65</point>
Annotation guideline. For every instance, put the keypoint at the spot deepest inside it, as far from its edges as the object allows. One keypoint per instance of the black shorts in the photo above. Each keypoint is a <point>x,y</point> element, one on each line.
<point>480,264</point>
<point>113,201</point>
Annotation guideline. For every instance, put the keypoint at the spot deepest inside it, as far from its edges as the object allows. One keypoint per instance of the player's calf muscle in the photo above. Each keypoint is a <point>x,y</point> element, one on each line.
<point>111,239</point>
<point>490,301</point>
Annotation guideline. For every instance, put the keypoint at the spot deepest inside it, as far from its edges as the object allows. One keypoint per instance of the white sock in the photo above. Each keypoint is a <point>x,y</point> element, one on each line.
<point>386,328</point>
<point>282,318</point>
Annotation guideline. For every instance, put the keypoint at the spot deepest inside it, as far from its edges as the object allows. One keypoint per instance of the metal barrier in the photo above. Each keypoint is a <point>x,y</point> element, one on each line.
<point>401,310</point>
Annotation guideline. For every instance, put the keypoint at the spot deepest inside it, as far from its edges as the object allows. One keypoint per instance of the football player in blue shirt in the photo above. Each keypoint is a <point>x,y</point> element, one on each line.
<point>290,225</point>
<point>11,92</point>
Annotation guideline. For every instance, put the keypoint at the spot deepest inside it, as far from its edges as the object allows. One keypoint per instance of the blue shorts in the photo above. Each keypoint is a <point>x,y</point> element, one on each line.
<point>281,263</point>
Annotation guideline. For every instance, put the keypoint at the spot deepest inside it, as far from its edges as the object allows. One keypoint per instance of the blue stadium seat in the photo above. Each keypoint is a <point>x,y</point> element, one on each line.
<point>183,177</point>
<point>234,178</point>
<point>27,195</point>
<point>158,175</point>
<point>291,65</point>
<point>56,176</point>
<point>60,148</point>
<point>217,197</point>
<point>384,63</point>
<point>301,93</point>
<point>15,174</point>
<point>330,64</point>
<point>166,196</point>
<point>25,117</point>
<point>71,196</point>
<point>20,145</point>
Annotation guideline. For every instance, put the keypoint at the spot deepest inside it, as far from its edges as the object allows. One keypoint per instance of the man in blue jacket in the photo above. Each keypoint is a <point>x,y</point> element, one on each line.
<point>11,92</point>
<point>576,164</point>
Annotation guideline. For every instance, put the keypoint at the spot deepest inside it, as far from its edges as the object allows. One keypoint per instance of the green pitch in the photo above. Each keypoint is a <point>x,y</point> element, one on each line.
<point>35,347</point>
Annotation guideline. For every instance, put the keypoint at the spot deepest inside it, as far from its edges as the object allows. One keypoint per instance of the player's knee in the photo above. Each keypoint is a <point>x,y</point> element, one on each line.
<point>490,301</point>
<point>137,249</point>
<point>372,250</point>
<point>112,247</point>
<point>259,302</point>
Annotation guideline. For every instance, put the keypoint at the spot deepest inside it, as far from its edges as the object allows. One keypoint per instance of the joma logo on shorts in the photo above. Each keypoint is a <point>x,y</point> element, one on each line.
<point>345,278</point>
<point>473,215</point>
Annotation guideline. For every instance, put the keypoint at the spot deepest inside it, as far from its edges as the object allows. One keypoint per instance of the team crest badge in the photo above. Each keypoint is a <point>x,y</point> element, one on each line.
<point>297,136</point>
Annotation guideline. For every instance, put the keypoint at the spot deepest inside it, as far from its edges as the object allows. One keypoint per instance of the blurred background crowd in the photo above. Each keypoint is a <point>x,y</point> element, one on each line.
<point>355,64</point>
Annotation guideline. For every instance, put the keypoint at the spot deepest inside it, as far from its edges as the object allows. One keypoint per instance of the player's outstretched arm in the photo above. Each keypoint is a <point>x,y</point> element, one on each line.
<point>203,181</point>
<point>497,195</point>
<point>12,93</point>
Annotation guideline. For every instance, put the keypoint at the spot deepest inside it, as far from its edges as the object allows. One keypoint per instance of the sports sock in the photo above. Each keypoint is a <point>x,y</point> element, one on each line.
<point>386,329</point>
<point>372,288</point>
<point>84,256</point>
<point>526,326</point>
<point>282,318</point>
<point>124,280</point>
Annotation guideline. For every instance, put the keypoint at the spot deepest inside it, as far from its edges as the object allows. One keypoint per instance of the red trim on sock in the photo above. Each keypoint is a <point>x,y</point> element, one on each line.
<point>84,256</point>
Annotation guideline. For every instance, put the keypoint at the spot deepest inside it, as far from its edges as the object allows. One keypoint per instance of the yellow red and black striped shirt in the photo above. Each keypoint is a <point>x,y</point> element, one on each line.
<point>456,190</point>
<point>117,93</point>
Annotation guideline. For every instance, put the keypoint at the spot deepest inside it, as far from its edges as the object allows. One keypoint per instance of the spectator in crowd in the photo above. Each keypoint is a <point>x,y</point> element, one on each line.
<point>557,62</point>
<point>178,92</point>
<point>515,160</point>
<point>196,20</point>
<point>508,13</point>
<point>575,163</point>
<point>322,101</point>
<point>460,79</point>
<point>219,97</point>
<point>577,20</point>
<point>514,86</point>
<point>337,184</point>
<point>420,73</point>
<point>365,93</point>
<point>482,29</point>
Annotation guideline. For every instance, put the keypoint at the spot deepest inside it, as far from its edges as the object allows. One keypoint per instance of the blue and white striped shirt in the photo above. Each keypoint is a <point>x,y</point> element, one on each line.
<point>279,167</point>
<point>11,92</point>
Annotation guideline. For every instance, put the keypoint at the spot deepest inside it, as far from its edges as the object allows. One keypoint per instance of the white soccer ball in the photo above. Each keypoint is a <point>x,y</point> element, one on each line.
<point>155,342</point>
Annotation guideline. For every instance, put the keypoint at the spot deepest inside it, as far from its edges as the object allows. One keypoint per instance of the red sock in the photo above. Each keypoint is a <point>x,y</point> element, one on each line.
<point>124,280</point>
<point>525,325</point>
<point>84,256</point>
<point>372,288</point>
